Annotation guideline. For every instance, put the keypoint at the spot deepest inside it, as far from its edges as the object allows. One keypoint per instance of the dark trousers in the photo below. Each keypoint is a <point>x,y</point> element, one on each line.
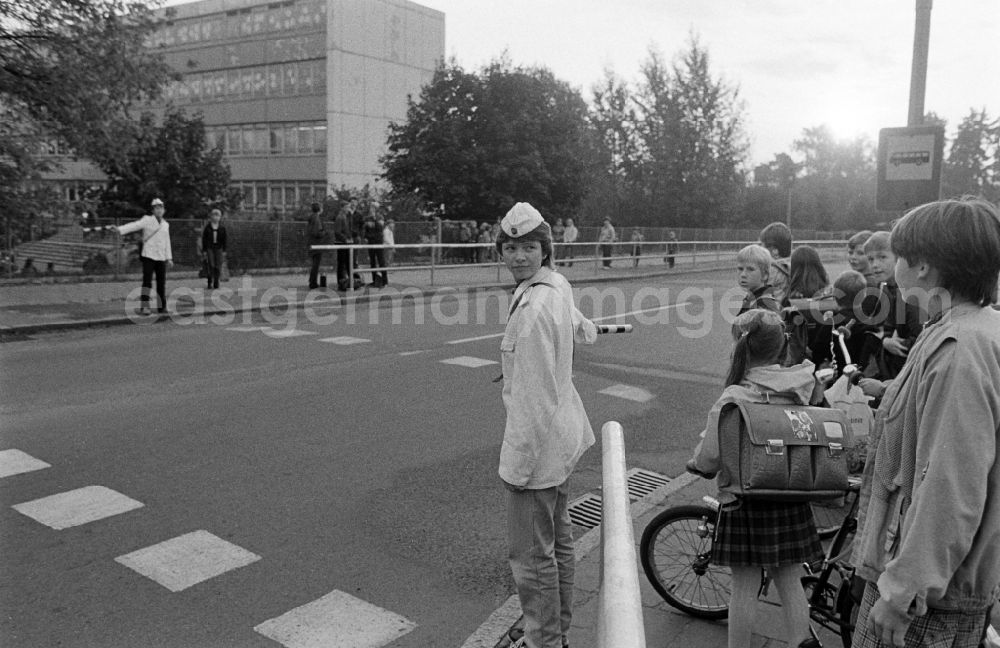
<point>376,259</point>
<point>215,258</point>
<point>343,269</point>
<point>149,266</point>
<point>317,259</point>
<point>606,253</point>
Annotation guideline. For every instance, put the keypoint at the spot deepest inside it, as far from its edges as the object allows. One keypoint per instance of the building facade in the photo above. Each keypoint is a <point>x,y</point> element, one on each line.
<point>300,93</point>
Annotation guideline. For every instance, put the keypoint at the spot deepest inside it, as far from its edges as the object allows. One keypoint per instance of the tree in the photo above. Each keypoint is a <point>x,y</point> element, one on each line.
<point>694,138</point>
<point>170,162</point>
<point>836,189</point>
<point>478,142</point>
<point>72,70</point>
<point>973,162</point>
<point>615,122</point>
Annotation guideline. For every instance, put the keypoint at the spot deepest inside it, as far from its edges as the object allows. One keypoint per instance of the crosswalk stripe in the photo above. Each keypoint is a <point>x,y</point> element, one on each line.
<point>15,462</point>
<point>337,620</point>
<point>628,392</point>
<point>187,560</point>
<point>77,507</point>
<point>344,340</point>
<point>476,339</point>
<point>286,333</point>
<point>469,361</point>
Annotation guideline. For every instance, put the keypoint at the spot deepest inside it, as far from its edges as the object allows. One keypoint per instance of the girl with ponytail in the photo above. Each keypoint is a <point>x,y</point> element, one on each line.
<point>753,534</point>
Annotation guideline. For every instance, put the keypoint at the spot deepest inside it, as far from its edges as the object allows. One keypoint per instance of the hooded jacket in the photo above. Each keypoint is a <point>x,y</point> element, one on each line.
<point>547,428</point>
<point>797,379</point>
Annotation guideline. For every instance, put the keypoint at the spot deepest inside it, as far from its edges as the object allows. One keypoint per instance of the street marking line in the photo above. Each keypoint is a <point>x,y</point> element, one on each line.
<point>476,339</point>
<point>703,379</point>
<point>641,310</point>
<point>628,392</point>
<point>337,620</point>
<point>595,319</point>
<point>247,329</point>
<point>409,353</point>
<point>187,560</point>
<point>288,333</point>
<point>77,507</point>
<point>344,340</point>
<point>469,361</point>
<point>15,462</point>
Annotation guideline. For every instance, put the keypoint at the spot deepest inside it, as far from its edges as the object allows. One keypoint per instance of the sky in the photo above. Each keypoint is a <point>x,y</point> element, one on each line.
<point>797,63</point>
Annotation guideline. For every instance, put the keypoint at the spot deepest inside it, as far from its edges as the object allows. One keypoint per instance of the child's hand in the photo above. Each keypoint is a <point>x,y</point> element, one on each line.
<point>895,345</point>
<point>872,387</point>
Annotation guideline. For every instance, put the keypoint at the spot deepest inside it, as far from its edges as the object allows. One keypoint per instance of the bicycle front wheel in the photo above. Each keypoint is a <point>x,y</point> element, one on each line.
<point>676,554</point>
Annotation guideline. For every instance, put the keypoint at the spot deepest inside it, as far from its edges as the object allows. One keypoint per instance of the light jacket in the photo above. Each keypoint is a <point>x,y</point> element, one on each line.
<point>797,379</point>
<point>929,517</point>
<point>547,428</point>
<point>155,237</point>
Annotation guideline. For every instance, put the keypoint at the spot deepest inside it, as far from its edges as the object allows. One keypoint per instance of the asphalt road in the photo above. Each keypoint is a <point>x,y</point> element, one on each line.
<point>365,468</point>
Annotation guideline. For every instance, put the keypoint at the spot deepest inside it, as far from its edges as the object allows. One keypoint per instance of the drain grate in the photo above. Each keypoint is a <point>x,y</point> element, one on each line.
<point>586,511</point>
<point>643,482</point>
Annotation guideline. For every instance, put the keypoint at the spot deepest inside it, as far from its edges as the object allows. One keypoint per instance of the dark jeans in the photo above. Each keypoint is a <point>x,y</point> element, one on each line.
<point>343,269</point>
<point>215,258</point>
<point>376,259</point>
<point>606,253</point>
<point>317,259</point>
<point>149,266</point>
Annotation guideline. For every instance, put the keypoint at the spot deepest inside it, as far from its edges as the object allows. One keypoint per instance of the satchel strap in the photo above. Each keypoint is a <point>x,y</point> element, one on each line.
<point>778,397</point>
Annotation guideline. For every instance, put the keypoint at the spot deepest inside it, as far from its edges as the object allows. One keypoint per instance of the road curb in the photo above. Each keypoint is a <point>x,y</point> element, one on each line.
<point>492,633</point>
<point>343,300</point>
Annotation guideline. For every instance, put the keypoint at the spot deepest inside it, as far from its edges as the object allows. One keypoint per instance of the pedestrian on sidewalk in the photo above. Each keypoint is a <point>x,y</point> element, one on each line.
<point>316,233</point>
<point>372,231</point>
<point>751,534</point>
<point>213,247</point>
<point>671,249</point>
<point>389,239</point>
<point>928,540</point>
<point>547,429</point>
<point>606,238</point>
<point>156,254</point>
<point>637,238</point>
<point>342,236</point>
<point>570,235</point>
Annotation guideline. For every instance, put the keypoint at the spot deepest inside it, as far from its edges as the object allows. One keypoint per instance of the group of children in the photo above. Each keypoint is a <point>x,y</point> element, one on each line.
<point>917,306</point>
<point>864,302</point>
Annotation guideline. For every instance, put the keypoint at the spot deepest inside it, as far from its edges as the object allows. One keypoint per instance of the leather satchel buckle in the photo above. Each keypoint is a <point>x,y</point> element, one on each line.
<point>836,449</point>
<point>775,447</point>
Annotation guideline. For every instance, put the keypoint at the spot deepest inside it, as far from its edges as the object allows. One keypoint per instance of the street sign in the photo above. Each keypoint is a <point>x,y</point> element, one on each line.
<point>909,167</point>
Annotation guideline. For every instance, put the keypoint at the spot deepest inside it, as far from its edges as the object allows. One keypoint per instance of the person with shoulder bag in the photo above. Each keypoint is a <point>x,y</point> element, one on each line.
<point>753,533</point>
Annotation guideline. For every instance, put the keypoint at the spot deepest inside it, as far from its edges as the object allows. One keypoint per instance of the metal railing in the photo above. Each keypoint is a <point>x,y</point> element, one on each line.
<point>686,254</point>
<point>619,605</point>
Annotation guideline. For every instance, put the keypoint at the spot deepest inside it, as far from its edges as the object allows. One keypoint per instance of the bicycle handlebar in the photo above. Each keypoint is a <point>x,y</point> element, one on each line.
<point>613,328</point>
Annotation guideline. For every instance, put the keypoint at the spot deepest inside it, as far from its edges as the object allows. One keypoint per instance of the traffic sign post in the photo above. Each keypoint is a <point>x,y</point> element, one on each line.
<point>909,167</point>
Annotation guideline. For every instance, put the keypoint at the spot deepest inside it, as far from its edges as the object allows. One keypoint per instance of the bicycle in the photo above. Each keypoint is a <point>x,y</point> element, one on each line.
<point>676,555</point>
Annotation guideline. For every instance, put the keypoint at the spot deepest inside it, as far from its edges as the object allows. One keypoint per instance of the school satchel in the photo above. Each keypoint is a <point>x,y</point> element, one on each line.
<point>778,450</point>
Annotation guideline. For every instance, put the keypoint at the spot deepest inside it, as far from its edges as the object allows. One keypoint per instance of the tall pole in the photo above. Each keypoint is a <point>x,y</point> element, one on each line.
<point>918,71</point>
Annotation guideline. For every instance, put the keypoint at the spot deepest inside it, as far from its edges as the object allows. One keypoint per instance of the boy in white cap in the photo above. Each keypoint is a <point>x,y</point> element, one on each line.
<point>156,255</point>
<point>547,428</point>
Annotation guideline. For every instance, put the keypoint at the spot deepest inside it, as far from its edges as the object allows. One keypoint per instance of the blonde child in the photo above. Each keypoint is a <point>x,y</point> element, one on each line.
<point>753,267</point>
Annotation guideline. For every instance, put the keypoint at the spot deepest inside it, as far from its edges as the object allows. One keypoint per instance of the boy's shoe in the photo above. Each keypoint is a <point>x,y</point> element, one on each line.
<point>811,642</point>
<point>520,643</point>
<point>144,310</point>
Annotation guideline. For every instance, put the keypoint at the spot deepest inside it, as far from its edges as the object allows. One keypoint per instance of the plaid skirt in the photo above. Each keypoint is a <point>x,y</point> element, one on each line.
<point>765,534</point>
<point>951,628</point>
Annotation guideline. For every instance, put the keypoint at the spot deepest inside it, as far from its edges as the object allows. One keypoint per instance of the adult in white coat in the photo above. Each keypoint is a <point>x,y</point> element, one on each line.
<point>156,254</point>
<point>547,428</point>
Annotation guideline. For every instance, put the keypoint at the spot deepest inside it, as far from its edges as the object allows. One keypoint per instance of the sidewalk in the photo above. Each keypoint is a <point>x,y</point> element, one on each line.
<point>47,304</point>
<point>664,625</point>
